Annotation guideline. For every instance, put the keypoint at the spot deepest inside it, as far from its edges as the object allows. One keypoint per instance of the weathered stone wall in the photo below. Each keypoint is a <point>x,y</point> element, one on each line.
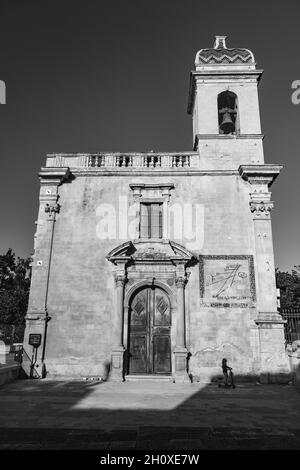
<point>81,288</point>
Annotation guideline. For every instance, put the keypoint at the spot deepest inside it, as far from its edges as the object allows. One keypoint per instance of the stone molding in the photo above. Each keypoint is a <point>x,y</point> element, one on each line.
<point>141,190</point>
<point>261,208</point>
<point>36,317</point>
<point>50,179</point>
<point>54,175</point>
<point>139,252</point>
<point>269,318</point>
<point>229,136</point>
<point>151,172</point>
<point>53,208</point>
<point>120,279</point>
<point>180,282</point>
<point>260,177</point>
<point>260,174</point>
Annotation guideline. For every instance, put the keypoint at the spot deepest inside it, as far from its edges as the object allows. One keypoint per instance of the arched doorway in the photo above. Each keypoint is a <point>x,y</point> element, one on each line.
<point>149,329</point>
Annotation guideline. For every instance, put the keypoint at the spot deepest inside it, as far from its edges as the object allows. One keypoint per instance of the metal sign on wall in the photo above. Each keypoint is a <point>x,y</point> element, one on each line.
<point>35,339</point>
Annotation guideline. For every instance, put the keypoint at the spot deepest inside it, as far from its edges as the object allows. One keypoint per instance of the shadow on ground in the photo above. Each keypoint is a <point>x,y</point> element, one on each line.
<point>48,414</point>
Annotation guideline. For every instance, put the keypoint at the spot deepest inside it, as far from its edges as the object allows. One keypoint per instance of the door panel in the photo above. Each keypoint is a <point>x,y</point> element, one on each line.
<point>162,314</point>
<point>161,354</point>
<point>139,310</point>
<point>149,333</point>
<point>138,351</point>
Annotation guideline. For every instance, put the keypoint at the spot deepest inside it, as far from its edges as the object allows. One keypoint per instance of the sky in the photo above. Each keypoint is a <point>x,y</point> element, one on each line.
<point>113,75</point>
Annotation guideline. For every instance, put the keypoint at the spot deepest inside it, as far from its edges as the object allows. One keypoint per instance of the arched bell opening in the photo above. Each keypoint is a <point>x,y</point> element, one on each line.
<point>228,113</point>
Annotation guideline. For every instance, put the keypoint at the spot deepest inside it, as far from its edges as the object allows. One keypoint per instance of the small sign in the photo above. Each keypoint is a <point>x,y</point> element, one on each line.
<point>35,339</point>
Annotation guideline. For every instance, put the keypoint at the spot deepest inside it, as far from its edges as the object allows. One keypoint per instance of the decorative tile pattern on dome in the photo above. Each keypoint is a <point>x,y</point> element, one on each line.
<point>222,55</point>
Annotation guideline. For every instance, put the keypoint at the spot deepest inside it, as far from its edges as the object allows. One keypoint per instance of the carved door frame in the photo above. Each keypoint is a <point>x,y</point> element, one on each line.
<point>137,287</point>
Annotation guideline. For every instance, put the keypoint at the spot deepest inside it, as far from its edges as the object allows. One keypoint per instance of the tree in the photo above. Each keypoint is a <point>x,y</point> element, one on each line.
<point>14,293</point>
<point>289,285</point>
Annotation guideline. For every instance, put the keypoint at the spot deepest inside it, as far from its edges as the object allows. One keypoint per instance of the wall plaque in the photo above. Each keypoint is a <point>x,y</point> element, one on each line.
<point>227,280</point>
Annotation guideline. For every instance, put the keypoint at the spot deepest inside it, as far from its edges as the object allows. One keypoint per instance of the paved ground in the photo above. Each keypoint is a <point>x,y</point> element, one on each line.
<point>45,414</point>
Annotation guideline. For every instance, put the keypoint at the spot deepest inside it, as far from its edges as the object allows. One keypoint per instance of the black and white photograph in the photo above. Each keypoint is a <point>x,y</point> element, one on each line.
<point>150,230</point>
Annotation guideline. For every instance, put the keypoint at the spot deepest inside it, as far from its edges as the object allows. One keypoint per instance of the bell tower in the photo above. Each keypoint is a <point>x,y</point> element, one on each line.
<point>223,101</point>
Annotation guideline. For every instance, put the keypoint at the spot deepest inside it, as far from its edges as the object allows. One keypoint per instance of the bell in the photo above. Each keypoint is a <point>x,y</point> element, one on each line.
<point>227,125</point>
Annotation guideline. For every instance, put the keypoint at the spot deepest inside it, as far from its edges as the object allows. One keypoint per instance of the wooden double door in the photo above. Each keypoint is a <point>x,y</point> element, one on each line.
<point>150,332</point>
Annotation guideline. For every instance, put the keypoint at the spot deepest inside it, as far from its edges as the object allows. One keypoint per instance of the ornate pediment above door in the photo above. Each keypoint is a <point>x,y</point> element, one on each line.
<point>151,252</point>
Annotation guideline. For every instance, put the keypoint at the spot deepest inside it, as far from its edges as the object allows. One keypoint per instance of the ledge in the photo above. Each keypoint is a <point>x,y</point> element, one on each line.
<point>9,373</point>
<point>151,172</point>
<point>267,170</point>
<point>229,136</point>
<point>54,175</point>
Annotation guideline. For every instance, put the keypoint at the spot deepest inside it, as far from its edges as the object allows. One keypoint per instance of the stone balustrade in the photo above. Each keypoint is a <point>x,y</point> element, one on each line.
<point>124,160</point>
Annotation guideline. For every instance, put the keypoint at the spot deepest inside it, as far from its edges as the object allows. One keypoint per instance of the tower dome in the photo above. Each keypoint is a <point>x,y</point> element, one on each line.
<point>221,56</point>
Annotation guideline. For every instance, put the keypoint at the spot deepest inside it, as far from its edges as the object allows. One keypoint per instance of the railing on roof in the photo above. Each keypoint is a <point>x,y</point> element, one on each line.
<point>124,160</point>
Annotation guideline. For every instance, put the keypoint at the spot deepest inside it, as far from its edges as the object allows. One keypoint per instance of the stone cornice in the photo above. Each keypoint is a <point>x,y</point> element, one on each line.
<point>266,173</point>
<point>151,172</point>
<point>152,185</point>
<point>216,137</point>
<point>229,136</point>
<point>122,253</point>
<point>54,175</point>
<point>142,190</point>
<point>256,73</point>
<point>269,318</point>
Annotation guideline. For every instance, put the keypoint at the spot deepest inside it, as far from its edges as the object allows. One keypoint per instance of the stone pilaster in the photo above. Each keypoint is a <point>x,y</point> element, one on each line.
<point>180,350</point>
<point>118,350</point>
<point>273,359</point>
<point>39,311</point>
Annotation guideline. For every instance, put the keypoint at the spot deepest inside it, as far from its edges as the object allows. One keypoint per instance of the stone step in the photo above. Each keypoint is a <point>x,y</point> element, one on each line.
<point>142,377</point>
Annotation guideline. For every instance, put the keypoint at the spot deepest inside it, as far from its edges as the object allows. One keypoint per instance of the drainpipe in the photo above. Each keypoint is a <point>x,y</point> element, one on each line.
<point>52,210</point>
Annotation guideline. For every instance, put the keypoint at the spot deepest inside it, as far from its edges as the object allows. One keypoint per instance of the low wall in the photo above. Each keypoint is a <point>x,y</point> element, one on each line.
<point>9,373</point>
<point>293,351</point>
<point>295,366</point>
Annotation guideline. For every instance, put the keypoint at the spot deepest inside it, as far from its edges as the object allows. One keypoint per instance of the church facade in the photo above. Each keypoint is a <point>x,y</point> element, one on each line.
<point>162,264</point>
